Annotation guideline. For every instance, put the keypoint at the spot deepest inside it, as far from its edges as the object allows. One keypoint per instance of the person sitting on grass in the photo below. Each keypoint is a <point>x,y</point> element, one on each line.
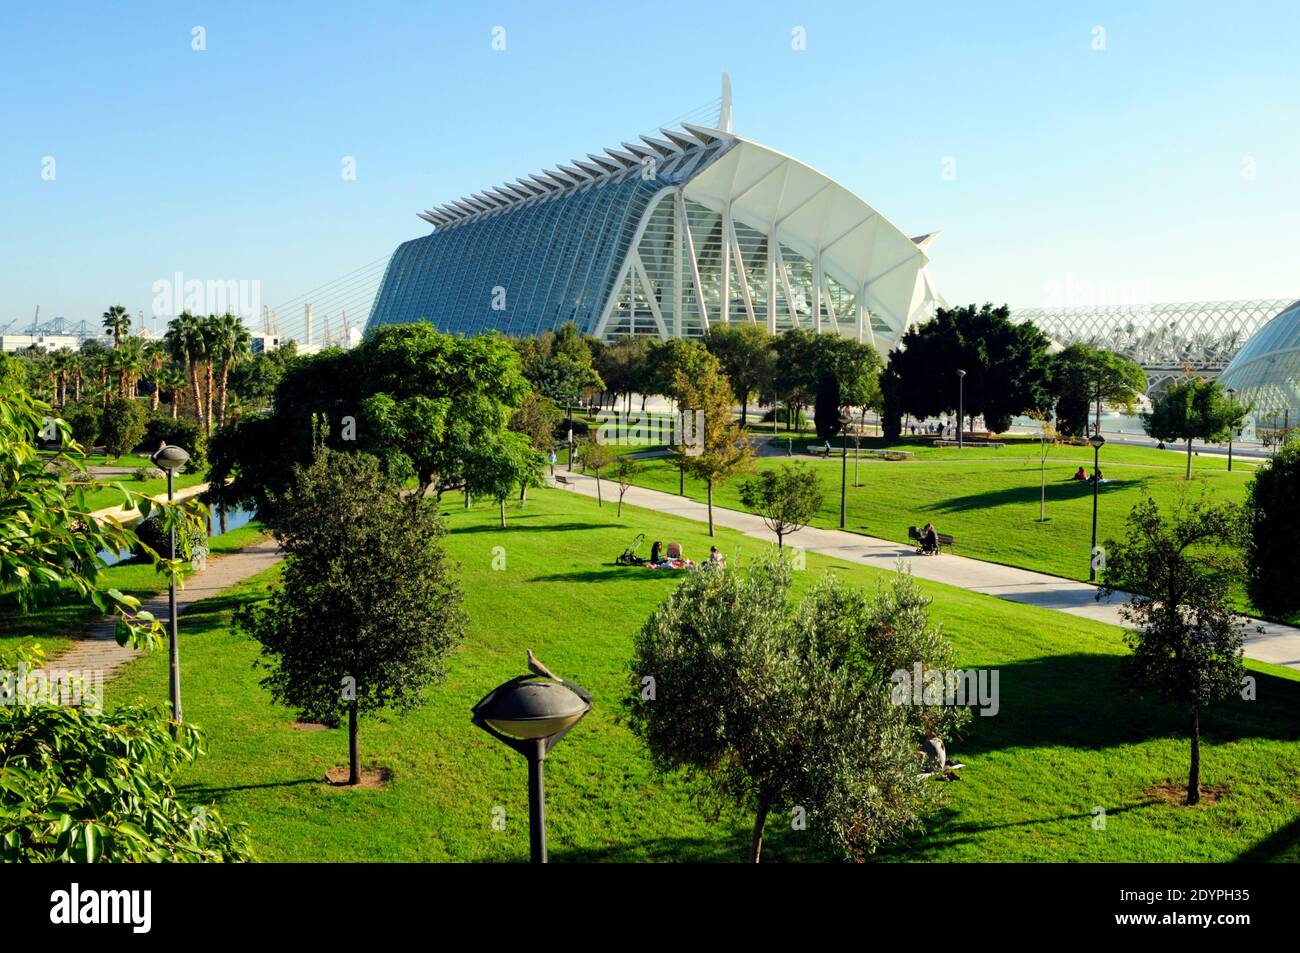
<point>716,558</point>
<point>656,555</point>
<point>929,540</point>
<point>1097,477</point>
<point>1081,475</point>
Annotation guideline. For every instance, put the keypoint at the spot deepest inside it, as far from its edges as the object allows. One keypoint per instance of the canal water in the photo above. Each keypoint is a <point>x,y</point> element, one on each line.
<point>220,519</point>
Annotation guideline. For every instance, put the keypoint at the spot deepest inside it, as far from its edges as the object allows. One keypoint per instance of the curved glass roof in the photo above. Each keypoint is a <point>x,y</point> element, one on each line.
<point>1266,371</point>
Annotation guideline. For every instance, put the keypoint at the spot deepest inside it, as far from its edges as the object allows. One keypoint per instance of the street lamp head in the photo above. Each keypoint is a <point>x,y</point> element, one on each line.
<point>1097,441</point>
<point>961,373</point>
<point>170,458</point>
<point>532,708</point>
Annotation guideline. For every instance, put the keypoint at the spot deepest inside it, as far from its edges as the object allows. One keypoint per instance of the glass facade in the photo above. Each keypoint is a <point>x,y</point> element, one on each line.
<point>1266,372</point>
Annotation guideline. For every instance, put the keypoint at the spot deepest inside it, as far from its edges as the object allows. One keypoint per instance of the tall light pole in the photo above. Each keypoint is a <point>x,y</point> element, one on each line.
<point>171,459</point>
<point>531,713</point>
<point>961,386</point>
<point>844,467</point>
<point>1097,441</point>
<point>1232,399</point>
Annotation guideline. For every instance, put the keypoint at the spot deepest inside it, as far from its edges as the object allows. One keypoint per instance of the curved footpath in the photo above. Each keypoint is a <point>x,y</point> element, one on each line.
<point>1278,644</point>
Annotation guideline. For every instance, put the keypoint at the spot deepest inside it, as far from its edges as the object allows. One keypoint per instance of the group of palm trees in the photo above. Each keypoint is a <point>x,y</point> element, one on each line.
<point>192,363</point>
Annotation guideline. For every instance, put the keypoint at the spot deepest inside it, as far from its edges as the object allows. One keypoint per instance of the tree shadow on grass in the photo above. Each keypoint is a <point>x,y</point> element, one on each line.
<point>722,849</point>
<point>1010,496</point>
<point>512,520</point>
<point>1282,846</point>
<point>205,793</point>
<point>608,573</point>
<point>1083,701</point>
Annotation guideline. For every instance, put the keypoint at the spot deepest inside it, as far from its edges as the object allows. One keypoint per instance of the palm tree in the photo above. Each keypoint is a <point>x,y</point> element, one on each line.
<point>171,379</point>
<point>63,360</point>
<point>231,343</point>
<point>211,332</point>
<point>76,374</point>
<point>117,323</point>
<point>129,362</point>
<point>187,344</point>
<point>155,358</point>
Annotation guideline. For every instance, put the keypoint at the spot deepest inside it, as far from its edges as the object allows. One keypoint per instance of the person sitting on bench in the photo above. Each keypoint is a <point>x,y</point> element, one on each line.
<point>929,540</point>
<point>1081,475</point>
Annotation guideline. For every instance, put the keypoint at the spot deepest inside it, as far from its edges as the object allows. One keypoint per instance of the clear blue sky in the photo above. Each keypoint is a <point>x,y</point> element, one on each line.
<point>1073,166</point>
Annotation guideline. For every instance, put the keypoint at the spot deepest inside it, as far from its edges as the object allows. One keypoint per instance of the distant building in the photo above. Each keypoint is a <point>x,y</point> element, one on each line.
<point>44,342</point>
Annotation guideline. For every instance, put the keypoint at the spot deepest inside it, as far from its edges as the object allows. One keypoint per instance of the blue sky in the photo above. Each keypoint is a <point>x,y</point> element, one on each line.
<point>1165,166</point>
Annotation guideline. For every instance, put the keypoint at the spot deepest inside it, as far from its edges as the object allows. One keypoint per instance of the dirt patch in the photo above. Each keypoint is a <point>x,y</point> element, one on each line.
<point>372,776</point>
<point>309,726</point>
<point>1172,792</point>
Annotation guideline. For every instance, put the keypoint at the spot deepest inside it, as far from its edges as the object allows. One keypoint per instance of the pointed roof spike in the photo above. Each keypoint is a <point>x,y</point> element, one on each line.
<point>547,185</point>
<point>576,173</point>
<point>663,147</point>
<point>683,142</point>
<point>702,133</point>
<point>627,159</point>
<point>596,171</point>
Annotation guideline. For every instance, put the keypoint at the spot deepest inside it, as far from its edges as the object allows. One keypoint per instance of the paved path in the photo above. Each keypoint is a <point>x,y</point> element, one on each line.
<point>97,650</point>
<point>1278,644</point>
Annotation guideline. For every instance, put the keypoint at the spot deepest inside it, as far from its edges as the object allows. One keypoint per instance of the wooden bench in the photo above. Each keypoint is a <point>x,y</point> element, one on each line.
<point>914,534</point>
<point>562,480</point>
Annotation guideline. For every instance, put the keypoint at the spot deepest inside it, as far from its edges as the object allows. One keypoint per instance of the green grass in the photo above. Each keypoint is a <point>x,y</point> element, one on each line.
<point>101,494</point>
<point>61,612</point>
<point>987,499</point>
<point>1068,738</point>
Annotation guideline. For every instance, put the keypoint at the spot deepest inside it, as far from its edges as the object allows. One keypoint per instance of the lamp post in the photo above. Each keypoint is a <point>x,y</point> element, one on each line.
<point>171,459</point>
<point>844,466</point>
<point>531,713</point>
<point>1097,441</point>
<point>1232,399</point>
<point>961,386</point>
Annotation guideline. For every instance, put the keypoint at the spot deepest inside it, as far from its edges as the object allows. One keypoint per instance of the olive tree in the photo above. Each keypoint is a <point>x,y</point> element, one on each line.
<point>1186,639</point>
<point>368,608</point>
<point>772,707</point>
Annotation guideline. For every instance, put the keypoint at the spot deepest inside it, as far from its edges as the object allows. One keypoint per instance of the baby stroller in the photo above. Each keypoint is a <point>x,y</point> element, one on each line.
<point>629,556</point>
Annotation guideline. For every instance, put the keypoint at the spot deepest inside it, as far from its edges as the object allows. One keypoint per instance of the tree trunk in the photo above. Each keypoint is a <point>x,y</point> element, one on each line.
<point>523,494</point>
<point>1189,458</point>
<point>619,514</point>
<point>502,501</point>
<point>153,398</point>
<point>780,541</point>
<point>744,409</point>
<point>225,371</point>
<point>599,501</point>
<point>194,388</point>
<point>466,496</point>
<point>207,421</point>
<point>756,845</point>
<point>173,405</point>
<point>1194,775</point>
<point>709,484</point>
<point>354,753</point>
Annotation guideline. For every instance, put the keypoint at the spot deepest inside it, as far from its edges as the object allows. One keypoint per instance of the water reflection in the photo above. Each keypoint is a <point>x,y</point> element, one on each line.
<point>220,520</point>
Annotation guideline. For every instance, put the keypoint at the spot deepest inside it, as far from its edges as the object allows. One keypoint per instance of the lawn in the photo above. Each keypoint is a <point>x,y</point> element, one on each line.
<point>62,612</point>
<point>989,499</point>
<point>1068,738</point>
<point>102,494</point>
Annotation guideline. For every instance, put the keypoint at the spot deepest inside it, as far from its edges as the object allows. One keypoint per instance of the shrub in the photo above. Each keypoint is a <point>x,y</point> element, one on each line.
<point>800,419</point>
<point>151,533</point>
<point>84,419</point>
<point>122,426</point>
<point>144,474</point>
<point>183,432</point>
<point>1273,540</point>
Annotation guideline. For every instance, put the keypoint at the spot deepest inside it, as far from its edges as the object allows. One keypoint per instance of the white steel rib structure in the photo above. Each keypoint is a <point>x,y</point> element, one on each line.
<point>667,236</point>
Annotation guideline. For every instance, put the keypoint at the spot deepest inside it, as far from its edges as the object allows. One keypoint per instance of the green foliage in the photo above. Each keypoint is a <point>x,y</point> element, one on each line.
<point>122,426</point>
<point>1186,639</point>
<point>721,447</point>
<point>1006,365</point>
<point>1076,374</point>
<point>366,594</point>
<point>1194,409</point>
<point>746,354</point>
<point>787,498</point>
<point>84,786</point>
<point>502,463</point>
<point>668,362</point>
<point>623,365</point>
<point>768,707</point>
<point>421,401</point>
<point>1273,532</point>
<point>84,423</point>
<point>537,418</point>
<point>184,432</point>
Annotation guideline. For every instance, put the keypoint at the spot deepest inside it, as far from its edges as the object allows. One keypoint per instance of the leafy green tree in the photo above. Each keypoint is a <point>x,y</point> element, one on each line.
<point>495,468</point>
<point>720,447</point>
<point>667,362</point>
<point>1273,537</point>
<point>368,608</point>
<point>1186,639</point>
<point>122,426</point>
<point>254,380</point>
<point>768,706</point>
<point>1006,365</point>
<point>746,354</point>
<point>78,784</point>
<point>595,456</point>
<point>1194,409</point>
<point>786,498</point>
<point>1079,373</point>
<point>622,364</point>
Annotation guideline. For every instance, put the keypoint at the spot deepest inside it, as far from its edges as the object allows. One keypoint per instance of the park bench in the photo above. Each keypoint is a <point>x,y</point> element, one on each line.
<point>914,534</point>
<point>819,450</point>
<point>562,480</point>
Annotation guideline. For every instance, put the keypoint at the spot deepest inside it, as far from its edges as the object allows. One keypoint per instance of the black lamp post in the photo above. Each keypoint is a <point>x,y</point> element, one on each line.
<point>171,459</point>
<point>1232,399</point>
<point>1097,441</point>
<point>961,387</point>
<point>844,466</point>
<point>531,713</point>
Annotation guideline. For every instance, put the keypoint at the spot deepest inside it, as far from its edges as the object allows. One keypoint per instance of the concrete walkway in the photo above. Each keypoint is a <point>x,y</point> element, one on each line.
<point>97,650</point>
<point>1277,644</point>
